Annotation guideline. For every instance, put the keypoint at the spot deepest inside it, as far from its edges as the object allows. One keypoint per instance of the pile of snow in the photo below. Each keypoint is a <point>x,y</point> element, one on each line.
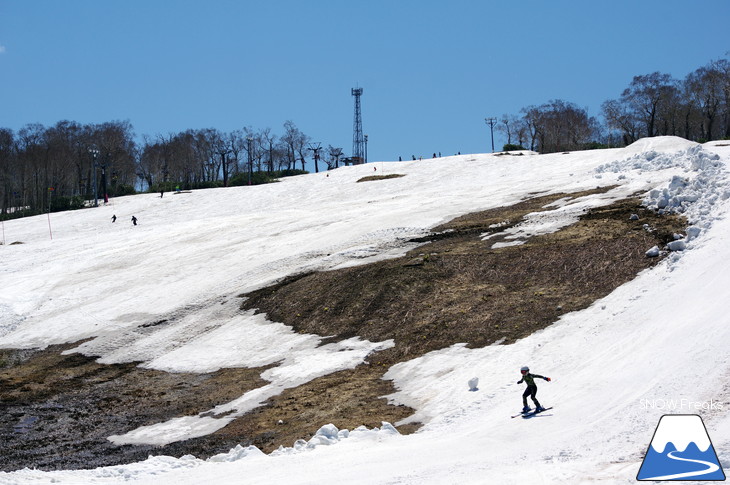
<point>702,184</point>
<point>329,434</point>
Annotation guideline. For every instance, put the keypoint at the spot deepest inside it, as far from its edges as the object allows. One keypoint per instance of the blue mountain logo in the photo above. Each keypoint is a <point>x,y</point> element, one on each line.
<point>681,450</point>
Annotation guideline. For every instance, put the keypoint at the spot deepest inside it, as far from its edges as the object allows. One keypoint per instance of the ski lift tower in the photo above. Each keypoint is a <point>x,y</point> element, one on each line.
<point>358,141</point>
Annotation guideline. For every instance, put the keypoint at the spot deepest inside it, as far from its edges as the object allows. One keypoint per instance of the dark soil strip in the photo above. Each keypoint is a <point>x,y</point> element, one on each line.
<point>56,411</point>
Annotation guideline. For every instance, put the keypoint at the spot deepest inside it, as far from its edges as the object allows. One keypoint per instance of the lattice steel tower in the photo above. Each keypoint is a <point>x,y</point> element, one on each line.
<point>358,141</point>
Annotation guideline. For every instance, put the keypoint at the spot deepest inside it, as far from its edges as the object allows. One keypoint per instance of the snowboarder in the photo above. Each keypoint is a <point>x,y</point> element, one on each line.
<point>531,390</point>
<point>114,218</point>
<point>134,220</point>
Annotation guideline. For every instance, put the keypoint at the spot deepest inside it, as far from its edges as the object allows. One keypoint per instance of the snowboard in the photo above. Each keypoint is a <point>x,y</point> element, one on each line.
<point>530,413</point>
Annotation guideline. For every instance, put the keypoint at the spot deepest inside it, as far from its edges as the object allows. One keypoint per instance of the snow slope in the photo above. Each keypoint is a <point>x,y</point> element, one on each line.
<point>658,344</point>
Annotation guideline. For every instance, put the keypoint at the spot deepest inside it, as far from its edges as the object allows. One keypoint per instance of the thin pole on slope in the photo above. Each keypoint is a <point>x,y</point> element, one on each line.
<point>50,192</point>
<point>491,122</point>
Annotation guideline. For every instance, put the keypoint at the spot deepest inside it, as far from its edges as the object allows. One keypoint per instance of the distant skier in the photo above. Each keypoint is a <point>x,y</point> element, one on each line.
<point>134,220</point>
<point>531,390</point>
<point>114,218</point>
<point>162,193</point>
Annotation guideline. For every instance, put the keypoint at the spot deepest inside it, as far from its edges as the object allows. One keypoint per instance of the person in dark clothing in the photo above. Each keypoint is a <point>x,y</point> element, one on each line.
<point>134,220</point>
<point>531,390</point>
<point>114,218</point>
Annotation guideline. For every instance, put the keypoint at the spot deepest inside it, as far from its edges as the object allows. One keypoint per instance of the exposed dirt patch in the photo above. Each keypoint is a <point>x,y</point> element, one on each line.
<point>456,289</point>
<point>347,399</point>
<point>372,178</point>
<point>56,411</point>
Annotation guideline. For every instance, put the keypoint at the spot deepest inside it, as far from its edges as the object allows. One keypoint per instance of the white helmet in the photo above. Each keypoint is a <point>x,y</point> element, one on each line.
<point>525,368</point>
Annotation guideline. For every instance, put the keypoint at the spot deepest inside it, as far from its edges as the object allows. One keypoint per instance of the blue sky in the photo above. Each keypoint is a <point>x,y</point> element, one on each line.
<point>431,70</point>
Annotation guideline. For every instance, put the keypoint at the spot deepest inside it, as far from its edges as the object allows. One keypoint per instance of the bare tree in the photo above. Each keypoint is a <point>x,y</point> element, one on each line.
<point>8,168</point>
<point>644,96</point>
<point>620,119</point>
<point>705,86</point>
<point>334,154</point>
<point>559,125</point>
<point>723,68</point>
<point>268,142</point>
<point>296,143</point>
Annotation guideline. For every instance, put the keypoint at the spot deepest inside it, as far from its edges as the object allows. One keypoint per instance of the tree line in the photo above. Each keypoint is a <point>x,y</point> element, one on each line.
<point>69,164</point>
<point>696,108</point>
<point>66,165</point>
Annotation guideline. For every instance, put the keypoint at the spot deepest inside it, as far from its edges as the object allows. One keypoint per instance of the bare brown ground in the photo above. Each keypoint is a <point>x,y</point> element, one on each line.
<point>452,290</point>
<point>57,410</point>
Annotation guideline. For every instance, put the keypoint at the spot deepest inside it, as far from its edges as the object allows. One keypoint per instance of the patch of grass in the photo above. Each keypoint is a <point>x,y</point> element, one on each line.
<point>381,177</point>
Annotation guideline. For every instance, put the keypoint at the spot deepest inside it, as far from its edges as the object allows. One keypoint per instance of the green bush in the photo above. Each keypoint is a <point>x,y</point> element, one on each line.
<point>594,145</point>
<point>65,203</point>
<point>258,178</point>
<point>121,190</point>
<point>289,173</point>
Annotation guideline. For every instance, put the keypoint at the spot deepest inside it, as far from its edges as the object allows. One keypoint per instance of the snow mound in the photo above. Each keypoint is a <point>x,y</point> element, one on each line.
<point>700,185</point>
<point>237,453</point>
<point>329,435</point>
<point>660,144</point>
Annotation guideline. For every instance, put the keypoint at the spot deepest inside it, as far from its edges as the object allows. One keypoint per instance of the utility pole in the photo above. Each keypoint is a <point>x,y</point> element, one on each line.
<point>95,153</point>
<point>316,150</point>
<point>103,177</point>
<point>250,159</point>
<point>366,149</point>
<point>491,122</point>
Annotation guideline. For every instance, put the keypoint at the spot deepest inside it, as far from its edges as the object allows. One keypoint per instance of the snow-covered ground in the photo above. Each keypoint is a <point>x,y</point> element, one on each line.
<point>659,344</point>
